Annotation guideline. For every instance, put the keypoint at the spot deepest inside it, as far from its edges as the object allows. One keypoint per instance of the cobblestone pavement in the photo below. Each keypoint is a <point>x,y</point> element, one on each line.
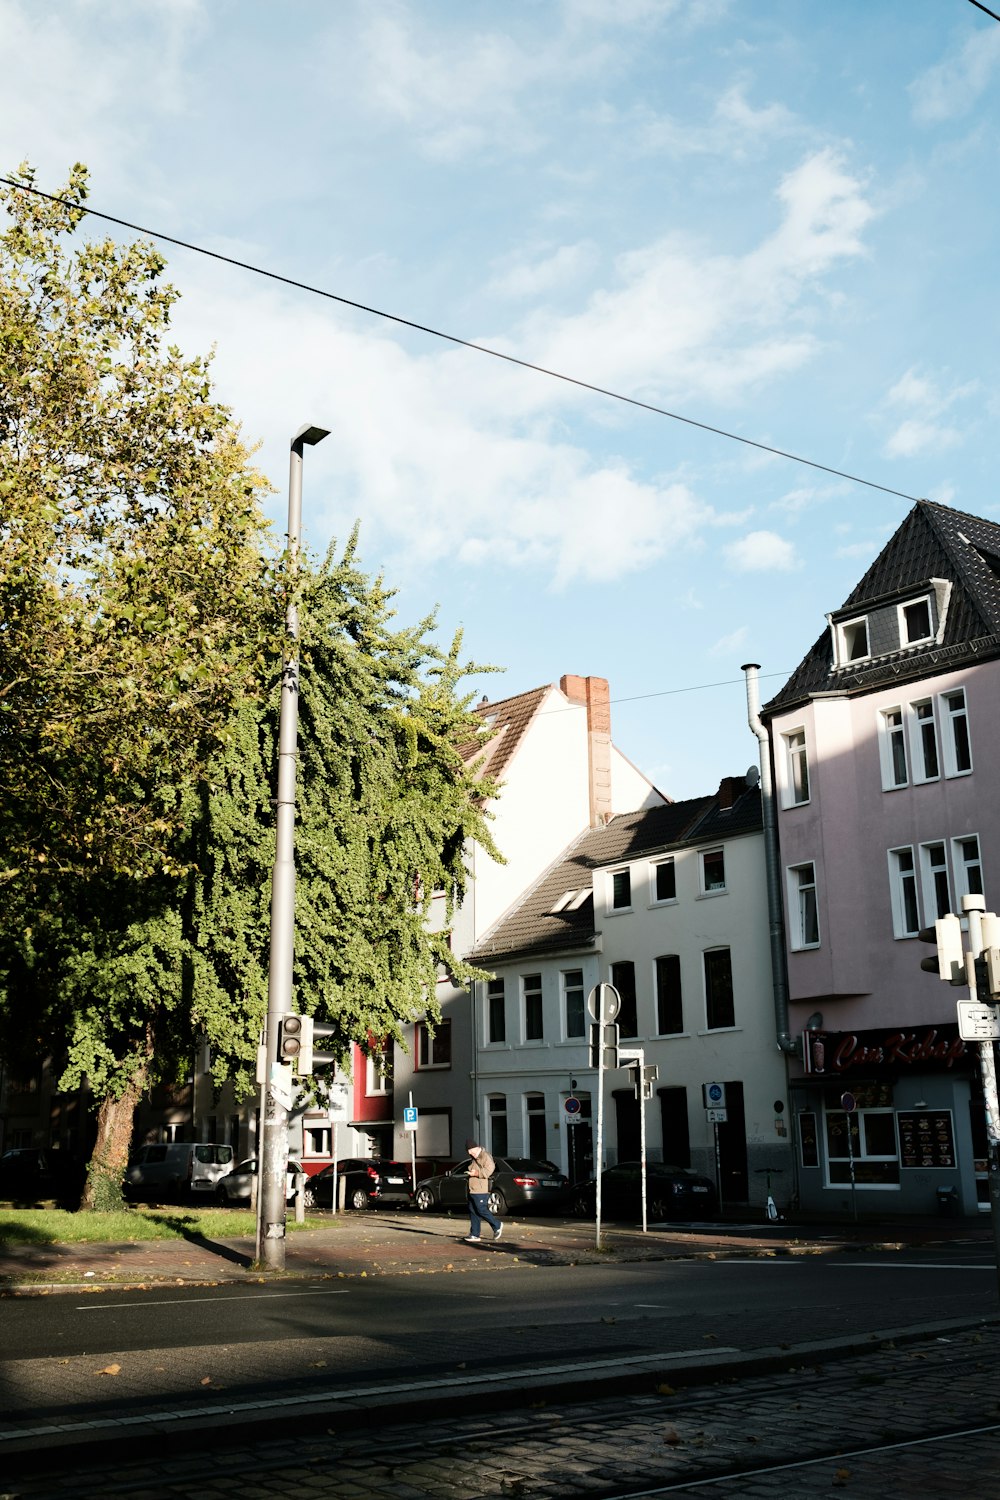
<point>920,1422</point>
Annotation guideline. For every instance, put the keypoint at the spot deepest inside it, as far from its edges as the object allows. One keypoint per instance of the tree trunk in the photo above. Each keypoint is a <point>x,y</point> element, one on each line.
<point>106,1171</point>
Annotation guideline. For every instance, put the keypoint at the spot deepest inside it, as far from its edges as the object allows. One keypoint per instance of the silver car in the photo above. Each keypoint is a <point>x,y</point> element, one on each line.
<point>235,1187</point>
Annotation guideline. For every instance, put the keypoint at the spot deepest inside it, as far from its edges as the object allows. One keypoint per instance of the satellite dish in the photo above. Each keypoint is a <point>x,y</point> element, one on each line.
<point>753,775</point>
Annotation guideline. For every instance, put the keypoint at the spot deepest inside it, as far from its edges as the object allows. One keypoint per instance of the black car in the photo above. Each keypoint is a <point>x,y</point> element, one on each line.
<point>519,1182</point>
<point>671,1193</point>
<point>363,1182</point>
<point>33,1174</point>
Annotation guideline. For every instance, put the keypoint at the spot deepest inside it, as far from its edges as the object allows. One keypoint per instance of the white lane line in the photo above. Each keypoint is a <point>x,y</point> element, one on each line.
<point>915,1265</point>
<point>194,1301</point>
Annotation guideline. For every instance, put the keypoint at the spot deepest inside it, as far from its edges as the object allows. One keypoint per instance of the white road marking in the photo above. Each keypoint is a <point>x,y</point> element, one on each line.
<point>340,1291</point>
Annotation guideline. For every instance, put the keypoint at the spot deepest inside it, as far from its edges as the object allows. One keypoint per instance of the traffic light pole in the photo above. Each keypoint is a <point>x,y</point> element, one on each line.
<point>273,1150</point>
<point>973,907</point>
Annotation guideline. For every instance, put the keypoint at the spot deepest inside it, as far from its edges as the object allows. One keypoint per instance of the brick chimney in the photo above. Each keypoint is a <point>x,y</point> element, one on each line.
<point>594,693</point>
<point>730,789</point>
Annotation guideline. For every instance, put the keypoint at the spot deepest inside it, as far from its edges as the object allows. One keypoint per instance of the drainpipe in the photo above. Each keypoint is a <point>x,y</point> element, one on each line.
<point>776,923</point>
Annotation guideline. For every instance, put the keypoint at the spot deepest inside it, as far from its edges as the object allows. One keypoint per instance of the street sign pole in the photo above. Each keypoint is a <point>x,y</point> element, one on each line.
<point>973,906</point>
<point>642,1132</point>
<point>599,1163</point>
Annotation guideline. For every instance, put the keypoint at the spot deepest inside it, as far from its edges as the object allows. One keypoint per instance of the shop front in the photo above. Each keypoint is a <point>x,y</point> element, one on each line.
<point>890,1122</point>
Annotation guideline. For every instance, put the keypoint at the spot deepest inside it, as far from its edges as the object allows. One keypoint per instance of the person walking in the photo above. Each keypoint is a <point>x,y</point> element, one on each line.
<point>481,1169</point>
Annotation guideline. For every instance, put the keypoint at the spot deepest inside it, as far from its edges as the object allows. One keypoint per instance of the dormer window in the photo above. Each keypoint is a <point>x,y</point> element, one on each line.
<point>855,637</point>
<point>915,622</point>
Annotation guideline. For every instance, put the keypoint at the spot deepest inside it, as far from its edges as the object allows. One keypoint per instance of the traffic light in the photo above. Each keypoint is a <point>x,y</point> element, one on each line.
<point>949,961</point>
<point>295,1042</point>
<point>988,976</point>
<point>643,1078</point>
<point>604,1037</point>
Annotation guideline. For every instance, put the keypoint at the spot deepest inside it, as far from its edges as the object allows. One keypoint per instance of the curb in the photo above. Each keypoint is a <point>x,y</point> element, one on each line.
<point>389,1403</point>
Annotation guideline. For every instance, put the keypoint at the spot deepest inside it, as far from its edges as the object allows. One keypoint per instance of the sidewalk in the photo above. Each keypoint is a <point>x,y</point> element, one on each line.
<point>400,1243</point>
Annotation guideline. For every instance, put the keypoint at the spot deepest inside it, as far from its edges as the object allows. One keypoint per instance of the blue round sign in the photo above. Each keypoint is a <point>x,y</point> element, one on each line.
<point>571,1105</point>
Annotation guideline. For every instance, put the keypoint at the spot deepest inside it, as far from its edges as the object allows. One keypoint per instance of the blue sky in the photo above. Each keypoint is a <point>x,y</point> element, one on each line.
<point>774,217</point>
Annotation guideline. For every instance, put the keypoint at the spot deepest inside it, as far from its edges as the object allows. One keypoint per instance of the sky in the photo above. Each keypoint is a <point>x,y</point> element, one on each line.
<point>772,217</point>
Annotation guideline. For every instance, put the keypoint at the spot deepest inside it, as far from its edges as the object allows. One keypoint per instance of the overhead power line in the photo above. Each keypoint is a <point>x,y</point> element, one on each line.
<point>985,9</point>
<point>451,338</point>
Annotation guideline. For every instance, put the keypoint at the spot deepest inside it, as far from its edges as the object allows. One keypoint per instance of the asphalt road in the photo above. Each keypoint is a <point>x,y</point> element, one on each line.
<point>395,1324</point>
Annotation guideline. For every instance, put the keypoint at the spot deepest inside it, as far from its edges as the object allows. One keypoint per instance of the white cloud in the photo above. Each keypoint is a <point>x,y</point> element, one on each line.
<point>734,130</point>
<point>726,645</point>
<point>953,86</point>
<point>761,552</point>
<point>680,322</point>
<point>522,277</point>
<point>926,401</point>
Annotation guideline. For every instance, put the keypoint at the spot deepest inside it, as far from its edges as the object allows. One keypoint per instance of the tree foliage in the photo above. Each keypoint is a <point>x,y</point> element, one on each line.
<point>140,663</point>
<point>131,551</point>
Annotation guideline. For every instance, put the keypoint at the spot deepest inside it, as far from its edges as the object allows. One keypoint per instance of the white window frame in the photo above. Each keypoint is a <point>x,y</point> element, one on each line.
<point>860,1153</point>
<point>889,735</point>
<point>796,755</point>
<point>433,1043</point>
<point>918,743</point>
<point>492,994</point>
<point>962,866</point>
<point>566,989</point>
<point>705,888</point>
<point>949,716</point>
<point>845,633</point>
<point>904,642</point>
<point>613,907</point>
<point>899,877</point>
<point>928,880</point>
<point>377,1073</point>
<point>797,892</point>
<point>539,990</point>
<point>654,899</point>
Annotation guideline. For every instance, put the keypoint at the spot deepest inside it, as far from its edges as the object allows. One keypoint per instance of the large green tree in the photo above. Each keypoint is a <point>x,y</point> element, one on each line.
<point>139,687</point>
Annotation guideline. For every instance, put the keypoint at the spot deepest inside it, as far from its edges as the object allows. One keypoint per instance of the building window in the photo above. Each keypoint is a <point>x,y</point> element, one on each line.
<point>854,641</point>
<point>317,1140</point>
<point>968,867</point>
<point>925,751</point>
<point>623,979</point>
<point>892,749</point>
<point>797,766</point>
<point>496,1106</point>
<point>802,901</point>
<point>955,726</point>
<point>665,881</point>
<point>531,985</point>
<point>434,1051</point>
<point>713,871</point>
<point>496,1011</point>
<point>934,878</point>
<point>377,1070</point>
<point>621,890</point>
<point>869,1151</point>
<point>915,622</point>
<point>669,1005</point>
<point>720,1009</point>
<point>903,893</point>
<point>572,986</point>
<point>534,1108</point>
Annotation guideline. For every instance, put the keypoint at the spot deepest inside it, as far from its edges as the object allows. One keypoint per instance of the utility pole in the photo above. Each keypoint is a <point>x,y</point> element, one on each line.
<point>983,925</point>
<point>276,1087</point>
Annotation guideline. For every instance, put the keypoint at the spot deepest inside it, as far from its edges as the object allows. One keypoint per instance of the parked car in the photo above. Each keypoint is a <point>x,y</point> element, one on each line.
<point>363,1182</point>
<point>519,1182</point>
<point>177,1169</point>
<point>671,1193</point>
<point>34,1174</point>
<point>236,1186</point>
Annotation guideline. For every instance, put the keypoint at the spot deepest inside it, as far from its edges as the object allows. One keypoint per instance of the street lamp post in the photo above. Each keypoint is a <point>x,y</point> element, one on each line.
<point>272,1150</point>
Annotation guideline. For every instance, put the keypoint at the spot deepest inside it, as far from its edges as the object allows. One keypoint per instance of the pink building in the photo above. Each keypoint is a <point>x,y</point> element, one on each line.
<point>886,748</point>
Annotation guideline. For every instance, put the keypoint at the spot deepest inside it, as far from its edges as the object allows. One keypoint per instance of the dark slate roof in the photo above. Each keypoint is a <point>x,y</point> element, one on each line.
<point>933,541</point>
<point>531,925</point>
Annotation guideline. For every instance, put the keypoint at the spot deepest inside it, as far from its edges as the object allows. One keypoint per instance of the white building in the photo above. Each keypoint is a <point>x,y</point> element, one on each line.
<point>669,905</point>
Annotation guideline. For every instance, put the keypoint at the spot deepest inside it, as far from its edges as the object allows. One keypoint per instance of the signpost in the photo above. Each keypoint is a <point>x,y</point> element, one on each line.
<point>849,1104</point>
<point>604,1003</point>
<point>714,1095</point>
<point>410,1121</point>
<point>978,1023</point>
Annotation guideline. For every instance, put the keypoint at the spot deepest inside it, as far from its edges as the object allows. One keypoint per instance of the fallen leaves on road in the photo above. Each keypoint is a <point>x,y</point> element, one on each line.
<point>672,1437</point>
<point>665,1390</point>
<point>109,1370</point>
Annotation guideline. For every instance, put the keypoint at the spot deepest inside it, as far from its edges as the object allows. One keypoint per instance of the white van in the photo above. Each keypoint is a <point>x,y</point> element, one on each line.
<point>177,1169</point>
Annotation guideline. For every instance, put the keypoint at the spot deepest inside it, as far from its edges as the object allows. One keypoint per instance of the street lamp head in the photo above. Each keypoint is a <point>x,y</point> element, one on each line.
<point>310,434</point>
